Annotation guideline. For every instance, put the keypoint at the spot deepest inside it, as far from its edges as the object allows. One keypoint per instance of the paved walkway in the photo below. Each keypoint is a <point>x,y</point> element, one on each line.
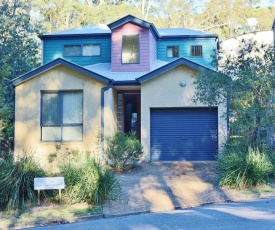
<point>157,187</point>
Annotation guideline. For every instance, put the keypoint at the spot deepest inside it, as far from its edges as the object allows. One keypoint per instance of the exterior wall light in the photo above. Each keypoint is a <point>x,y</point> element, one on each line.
<point>182,83</point>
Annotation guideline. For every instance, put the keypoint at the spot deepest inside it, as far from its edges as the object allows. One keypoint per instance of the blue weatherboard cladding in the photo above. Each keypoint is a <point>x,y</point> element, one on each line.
<point>209,46</point>
<point>53,49</point>
<point>184,134</point>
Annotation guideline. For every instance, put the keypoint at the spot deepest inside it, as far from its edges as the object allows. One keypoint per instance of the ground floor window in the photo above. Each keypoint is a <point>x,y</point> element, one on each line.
<point>62,116</point>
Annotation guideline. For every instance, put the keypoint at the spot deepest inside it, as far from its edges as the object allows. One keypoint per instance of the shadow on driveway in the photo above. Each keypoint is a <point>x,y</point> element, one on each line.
<point>158,187</point>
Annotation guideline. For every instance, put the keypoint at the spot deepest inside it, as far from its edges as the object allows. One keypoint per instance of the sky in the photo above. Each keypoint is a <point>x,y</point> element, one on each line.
<point>265,3</point>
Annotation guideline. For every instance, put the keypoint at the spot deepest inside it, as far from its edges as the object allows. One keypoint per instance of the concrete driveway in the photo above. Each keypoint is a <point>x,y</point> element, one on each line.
<point>158,187</point>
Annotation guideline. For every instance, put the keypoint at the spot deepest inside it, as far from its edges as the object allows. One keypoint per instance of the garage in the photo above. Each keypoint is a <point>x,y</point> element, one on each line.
<point>189,134</point>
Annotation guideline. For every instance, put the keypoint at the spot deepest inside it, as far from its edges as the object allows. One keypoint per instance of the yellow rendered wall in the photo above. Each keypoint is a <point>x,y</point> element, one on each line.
<point>164,91</point>
<point>27,115</point>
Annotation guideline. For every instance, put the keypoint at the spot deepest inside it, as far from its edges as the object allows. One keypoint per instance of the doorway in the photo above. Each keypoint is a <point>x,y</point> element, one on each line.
<point>130,111</point>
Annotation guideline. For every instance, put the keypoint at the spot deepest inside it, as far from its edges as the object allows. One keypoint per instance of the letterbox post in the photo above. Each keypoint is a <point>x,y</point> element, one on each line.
<point>59,196</point>
<point>38,191</point>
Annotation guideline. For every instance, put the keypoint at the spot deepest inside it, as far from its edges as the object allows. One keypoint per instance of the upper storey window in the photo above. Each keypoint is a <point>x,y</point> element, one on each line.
<point>130,49</point>
<point>82,50</point>
<point>172,51</point>
<point>196,51</point>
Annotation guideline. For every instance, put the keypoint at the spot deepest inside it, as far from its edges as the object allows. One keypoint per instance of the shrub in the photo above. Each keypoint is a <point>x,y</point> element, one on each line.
<point>16,182</point>
<point>123,149</point>
<point>246,168</point>
<point>88,181</point>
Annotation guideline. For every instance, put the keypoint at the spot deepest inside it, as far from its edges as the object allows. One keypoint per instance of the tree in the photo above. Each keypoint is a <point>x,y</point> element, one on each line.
<point>245,82</point>
<point>227,18</point>
<point>19,54</point>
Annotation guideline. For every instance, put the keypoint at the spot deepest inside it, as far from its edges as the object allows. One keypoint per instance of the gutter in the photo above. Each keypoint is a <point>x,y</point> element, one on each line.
<point>103,89</point>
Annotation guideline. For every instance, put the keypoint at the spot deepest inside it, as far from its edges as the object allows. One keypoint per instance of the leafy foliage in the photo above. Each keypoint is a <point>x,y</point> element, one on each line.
<point>245,82</point>
<point>16,182</point>
<point>19,54</point>
<point>123,149</point>
<point>223,17</point>
<point>88,181</point>
<point>246,168</point>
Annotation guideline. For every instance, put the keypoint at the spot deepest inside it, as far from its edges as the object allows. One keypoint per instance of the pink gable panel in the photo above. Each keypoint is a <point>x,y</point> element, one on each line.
<point>144,48</point>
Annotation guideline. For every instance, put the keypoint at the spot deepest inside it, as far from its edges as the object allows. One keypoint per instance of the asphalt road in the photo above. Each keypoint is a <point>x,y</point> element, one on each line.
<point>259,214</point>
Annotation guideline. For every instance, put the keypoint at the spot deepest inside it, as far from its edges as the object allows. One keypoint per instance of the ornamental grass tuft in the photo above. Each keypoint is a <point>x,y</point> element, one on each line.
<point>17,182</point>
<point>88,181</point>
<point>244,168</point>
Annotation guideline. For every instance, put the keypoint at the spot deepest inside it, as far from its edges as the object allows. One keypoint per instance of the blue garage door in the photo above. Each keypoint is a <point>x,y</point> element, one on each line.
<point>184,134</point>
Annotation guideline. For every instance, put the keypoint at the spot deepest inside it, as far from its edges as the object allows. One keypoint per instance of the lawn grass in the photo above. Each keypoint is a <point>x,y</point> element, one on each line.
<point>48,214</point>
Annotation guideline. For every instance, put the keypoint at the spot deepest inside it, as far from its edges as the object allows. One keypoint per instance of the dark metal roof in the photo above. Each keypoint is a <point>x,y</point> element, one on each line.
<point>184,33</point>
<point>102,78</point>
<point>90,30</point>
<point>52,64</point>
<point>106,30</point>
<point>136,21</point>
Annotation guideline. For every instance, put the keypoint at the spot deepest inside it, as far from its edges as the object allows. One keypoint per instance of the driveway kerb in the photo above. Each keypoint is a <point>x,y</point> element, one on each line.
<point>120,208</point>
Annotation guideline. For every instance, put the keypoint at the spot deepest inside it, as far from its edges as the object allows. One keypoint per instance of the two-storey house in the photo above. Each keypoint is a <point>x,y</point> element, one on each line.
<point>126,76</point>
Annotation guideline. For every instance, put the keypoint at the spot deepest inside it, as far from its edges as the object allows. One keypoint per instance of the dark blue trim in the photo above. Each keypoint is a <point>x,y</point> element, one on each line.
<point>152,28</point>
<point>58,61</point>
<point>126,83</point>
<point>68,36</point>
<point>129,18</point>
<point>136,21</point>
<point>169,37</point>
<point>174,64</point>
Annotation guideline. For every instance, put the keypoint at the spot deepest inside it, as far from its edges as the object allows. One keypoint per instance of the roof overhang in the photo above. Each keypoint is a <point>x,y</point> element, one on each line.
<point>52,64</point>
<point>136,21</point>
<point>172,65</point>
<point>62,36</point>
<point>175,37</point>
<point>122,21</point>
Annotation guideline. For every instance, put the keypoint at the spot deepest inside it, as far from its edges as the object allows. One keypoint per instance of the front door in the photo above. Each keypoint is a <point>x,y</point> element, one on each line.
<point>130,111</point>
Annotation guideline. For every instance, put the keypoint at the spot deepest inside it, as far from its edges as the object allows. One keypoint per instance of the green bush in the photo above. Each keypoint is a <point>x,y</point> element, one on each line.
<point>123,150</point>
<point>246,168</point>
<point>88,181</point>
<point>16,182</point>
